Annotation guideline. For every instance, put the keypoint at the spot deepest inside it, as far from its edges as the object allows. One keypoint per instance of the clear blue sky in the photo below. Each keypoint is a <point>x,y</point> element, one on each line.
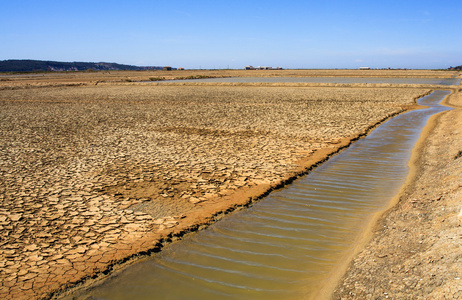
<point>221,34</point>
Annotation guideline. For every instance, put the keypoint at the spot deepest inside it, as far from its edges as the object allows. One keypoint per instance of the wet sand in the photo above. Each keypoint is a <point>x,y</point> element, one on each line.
<point>414,249</point>
<point>84,190</point>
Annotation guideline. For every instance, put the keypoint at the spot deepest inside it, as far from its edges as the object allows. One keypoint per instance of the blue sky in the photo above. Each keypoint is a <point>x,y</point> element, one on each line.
<point>222,34</point>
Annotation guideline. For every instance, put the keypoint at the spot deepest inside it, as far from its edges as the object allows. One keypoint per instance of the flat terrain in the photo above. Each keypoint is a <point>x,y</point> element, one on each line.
<point>96,169</point>
<point>82,78</point>
<point>416,248</point>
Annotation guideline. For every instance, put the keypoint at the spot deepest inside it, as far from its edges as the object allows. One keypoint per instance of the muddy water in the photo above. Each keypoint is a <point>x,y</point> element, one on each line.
<point>286,245</point>
<point>346,80</point>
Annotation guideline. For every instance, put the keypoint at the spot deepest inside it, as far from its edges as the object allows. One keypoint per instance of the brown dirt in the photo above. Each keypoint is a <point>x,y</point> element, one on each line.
<point>95,176</point>
<point>415,248</point>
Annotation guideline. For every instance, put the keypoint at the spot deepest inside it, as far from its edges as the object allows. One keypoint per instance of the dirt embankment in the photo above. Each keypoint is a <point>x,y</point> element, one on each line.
<point>416,248</point>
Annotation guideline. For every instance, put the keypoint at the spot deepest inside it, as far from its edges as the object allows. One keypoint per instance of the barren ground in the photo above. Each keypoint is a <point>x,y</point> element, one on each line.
<point>95,174</point>
<point>82,78</point>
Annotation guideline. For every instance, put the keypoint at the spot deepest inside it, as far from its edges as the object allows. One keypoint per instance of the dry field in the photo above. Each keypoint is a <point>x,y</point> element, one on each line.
<point>85,78</point>
<point>93,174</point>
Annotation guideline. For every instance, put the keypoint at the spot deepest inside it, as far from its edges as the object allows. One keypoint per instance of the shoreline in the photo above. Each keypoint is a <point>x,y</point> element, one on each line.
<point>376,237</point>
<point>242,199</point>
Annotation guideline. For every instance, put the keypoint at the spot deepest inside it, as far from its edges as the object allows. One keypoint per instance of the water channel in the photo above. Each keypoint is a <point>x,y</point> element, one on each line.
<point>286,245</point>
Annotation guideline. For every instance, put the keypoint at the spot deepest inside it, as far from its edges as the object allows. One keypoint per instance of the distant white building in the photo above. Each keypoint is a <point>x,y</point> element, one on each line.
<point>261,68</point>
<point>364,68</point>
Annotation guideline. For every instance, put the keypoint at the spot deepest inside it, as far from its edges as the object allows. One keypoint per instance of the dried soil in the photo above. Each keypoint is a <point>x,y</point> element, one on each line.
<point>93,176</point>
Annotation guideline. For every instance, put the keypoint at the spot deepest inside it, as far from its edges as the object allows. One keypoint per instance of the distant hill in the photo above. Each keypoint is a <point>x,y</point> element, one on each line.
<point>28,65</point>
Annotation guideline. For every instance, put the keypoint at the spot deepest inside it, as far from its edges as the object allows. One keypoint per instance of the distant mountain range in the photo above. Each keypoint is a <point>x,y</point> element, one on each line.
<point>28,65</point>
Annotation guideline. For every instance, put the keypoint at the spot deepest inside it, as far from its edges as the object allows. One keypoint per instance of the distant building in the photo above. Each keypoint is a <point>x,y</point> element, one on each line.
<point>261,68</point>
<point>167,68</point>
<point>364,68</point>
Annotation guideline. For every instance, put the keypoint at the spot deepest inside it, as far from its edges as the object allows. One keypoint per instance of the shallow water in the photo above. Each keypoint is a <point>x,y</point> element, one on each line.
<point>432,81</point>
<point>286,245</point>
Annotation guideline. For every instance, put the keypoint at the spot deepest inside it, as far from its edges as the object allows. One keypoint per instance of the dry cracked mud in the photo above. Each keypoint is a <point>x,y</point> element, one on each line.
<point>93,175</point>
